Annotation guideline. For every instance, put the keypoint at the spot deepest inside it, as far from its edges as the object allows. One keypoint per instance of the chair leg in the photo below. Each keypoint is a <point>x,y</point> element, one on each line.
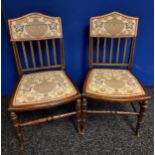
<point>140,120</point>
<point>78,115</point>
<point>18,128</point>
<point>84,115</point>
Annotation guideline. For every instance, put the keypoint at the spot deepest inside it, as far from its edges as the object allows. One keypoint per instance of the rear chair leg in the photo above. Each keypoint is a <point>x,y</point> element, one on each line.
<point>140,120</point>
<point>78,115</point>
<point>84,115</point>
<point>15,121</point>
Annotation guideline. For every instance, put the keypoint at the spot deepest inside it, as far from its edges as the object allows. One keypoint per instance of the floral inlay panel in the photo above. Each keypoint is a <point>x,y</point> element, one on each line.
<point>35,26</point>
<point>113,83</point>
<point>113,25</point>
<point>43,87</point>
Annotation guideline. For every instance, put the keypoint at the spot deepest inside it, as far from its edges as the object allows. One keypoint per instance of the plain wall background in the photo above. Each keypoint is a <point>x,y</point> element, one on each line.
<point>75,19</point>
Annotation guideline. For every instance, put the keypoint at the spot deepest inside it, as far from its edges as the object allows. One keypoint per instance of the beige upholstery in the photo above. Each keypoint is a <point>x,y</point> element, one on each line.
<point>114,83</point>
<point>113,25</point>
<point>35,26</point>
<point>43,87</point>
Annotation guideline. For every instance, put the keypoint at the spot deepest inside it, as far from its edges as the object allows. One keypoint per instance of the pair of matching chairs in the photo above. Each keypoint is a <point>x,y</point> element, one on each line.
<point>37,42</point>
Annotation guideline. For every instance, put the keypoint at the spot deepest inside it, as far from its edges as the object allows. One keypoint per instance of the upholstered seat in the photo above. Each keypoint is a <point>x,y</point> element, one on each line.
<point>37,88</point>
<point>113,83</point>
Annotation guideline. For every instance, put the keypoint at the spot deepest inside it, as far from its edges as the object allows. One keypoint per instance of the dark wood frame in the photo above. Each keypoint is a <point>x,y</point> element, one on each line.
<point>142,100</point>
<point>15,110</point>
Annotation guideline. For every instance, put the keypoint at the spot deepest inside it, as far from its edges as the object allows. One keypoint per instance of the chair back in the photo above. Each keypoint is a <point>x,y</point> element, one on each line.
<point>112,40</point>
<point>37,42</point>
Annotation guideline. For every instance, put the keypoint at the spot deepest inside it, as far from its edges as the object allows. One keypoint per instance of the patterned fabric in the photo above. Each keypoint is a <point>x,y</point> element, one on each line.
<point>113,83</point>
<point>43,87</point>
<point>35,26</point>
<point>113,25</point>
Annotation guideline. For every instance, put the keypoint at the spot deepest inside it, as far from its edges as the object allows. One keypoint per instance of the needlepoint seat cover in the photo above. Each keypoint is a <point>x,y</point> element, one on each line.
<point>113,83</point>
<point>42,87</point>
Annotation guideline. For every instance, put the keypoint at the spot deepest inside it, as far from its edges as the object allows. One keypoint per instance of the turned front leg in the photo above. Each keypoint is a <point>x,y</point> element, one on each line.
<point>15,121</point>
<point>140,120</point>
<point>84,115</point>
<point>78,115</point>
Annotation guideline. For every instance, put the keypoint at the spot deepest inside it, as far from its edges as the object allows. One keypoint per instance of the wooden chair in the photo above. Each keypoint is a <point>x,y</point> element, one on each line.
<point>111,50</point>
<point>37,42</point>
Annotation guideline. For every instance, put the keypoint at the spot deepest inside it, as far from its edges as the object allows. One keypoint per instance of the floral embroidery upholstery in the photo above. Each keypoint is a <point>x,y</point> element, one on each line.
<point>113,83</point>
<point>35,26</point>
<point>113,25</point>
<point>43,87</point>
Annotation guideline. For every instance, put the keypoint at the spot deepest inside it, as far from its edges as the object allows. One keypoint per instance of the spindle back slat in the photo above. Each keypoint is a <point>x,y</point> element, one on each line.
<point>54,51</point>
<point>47,52</point>
<point>39,36</point>
<point>32,53</point>
<point>111,50</point>
<point>25,55</point>
<point>97,49</point>
<point>118,49</point>
<point>40,53</point>
<point>118,33</point>
<point>125,48</point>
<point>104,50</point>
